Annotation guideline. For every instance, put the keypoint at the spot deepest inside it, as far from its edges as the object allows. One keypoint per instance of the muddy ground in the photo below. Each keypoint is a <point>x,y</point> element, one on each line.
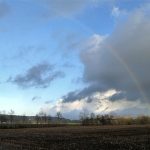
<point>77,138</point>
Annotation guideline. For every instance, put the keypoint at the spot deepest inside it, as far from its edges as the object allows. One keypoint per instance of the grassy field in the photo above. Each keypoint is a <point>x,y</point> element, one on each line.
<point>77,138</point>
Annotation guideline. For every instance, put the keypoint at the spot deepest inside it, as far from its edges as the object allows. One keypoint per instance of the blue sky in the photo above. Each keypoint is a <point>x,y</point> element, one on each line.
<point>43,47</point>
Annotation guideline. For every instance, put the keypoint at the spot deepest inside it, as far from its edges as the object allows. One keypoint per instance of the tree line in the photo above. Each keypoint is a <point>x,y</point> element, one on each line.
<point>39,118</point>
<point>85,119</point>
<point>107,119</point>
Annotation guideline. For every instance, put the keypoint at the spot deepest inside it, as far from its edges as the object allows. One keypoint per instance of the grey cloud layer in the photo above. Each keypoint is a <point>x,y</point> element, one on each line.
<point>35,98</point>
<point>66,8</point>
<point>120,62</point>
<point>4,8</point>
<point>86,92</point>
<point>39,76</point>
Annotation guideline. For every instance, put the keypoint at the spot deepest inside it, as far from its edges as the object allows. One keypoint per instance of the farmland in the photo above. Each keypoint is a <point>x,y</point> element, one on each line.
<point>123,137</point>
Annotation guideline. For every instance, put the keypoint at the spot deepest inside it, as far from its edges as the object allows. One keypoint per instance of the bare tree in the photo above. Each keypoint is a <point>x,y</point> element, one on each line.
<point>37,118</point>
<point>3,118</point>
<point>49,118</point>
<point>11,116</point>
<point>59,116</point>
<point>24,118</point>
<point>45,118</point>
<point>92,118</point>
<point>84,116</point>
<point>42,116</point>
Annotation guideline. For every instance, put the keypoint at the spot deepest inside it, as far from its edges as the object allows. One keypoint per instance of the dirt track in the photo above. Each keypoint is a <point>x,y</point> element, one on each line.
<point>77,137</point>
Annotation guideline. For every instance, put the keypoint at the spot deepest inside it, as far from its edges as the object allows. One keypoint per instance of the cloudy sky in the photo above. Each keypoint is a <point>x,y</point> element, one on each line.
<point>75,55</point>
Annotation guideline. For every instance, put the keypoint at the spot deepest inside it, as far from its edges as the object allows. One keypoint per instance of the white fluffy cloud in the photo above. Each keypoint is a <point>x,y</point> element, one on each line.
<point>115,11</point>
<point>100,105</point>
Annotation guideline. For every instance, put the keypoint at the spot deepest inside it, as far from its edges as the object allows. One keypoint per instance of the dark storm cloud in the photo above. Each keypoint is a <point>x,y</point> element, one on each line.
<point>120,61</point>
<point>38,76</point>
<point>86,92</point>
